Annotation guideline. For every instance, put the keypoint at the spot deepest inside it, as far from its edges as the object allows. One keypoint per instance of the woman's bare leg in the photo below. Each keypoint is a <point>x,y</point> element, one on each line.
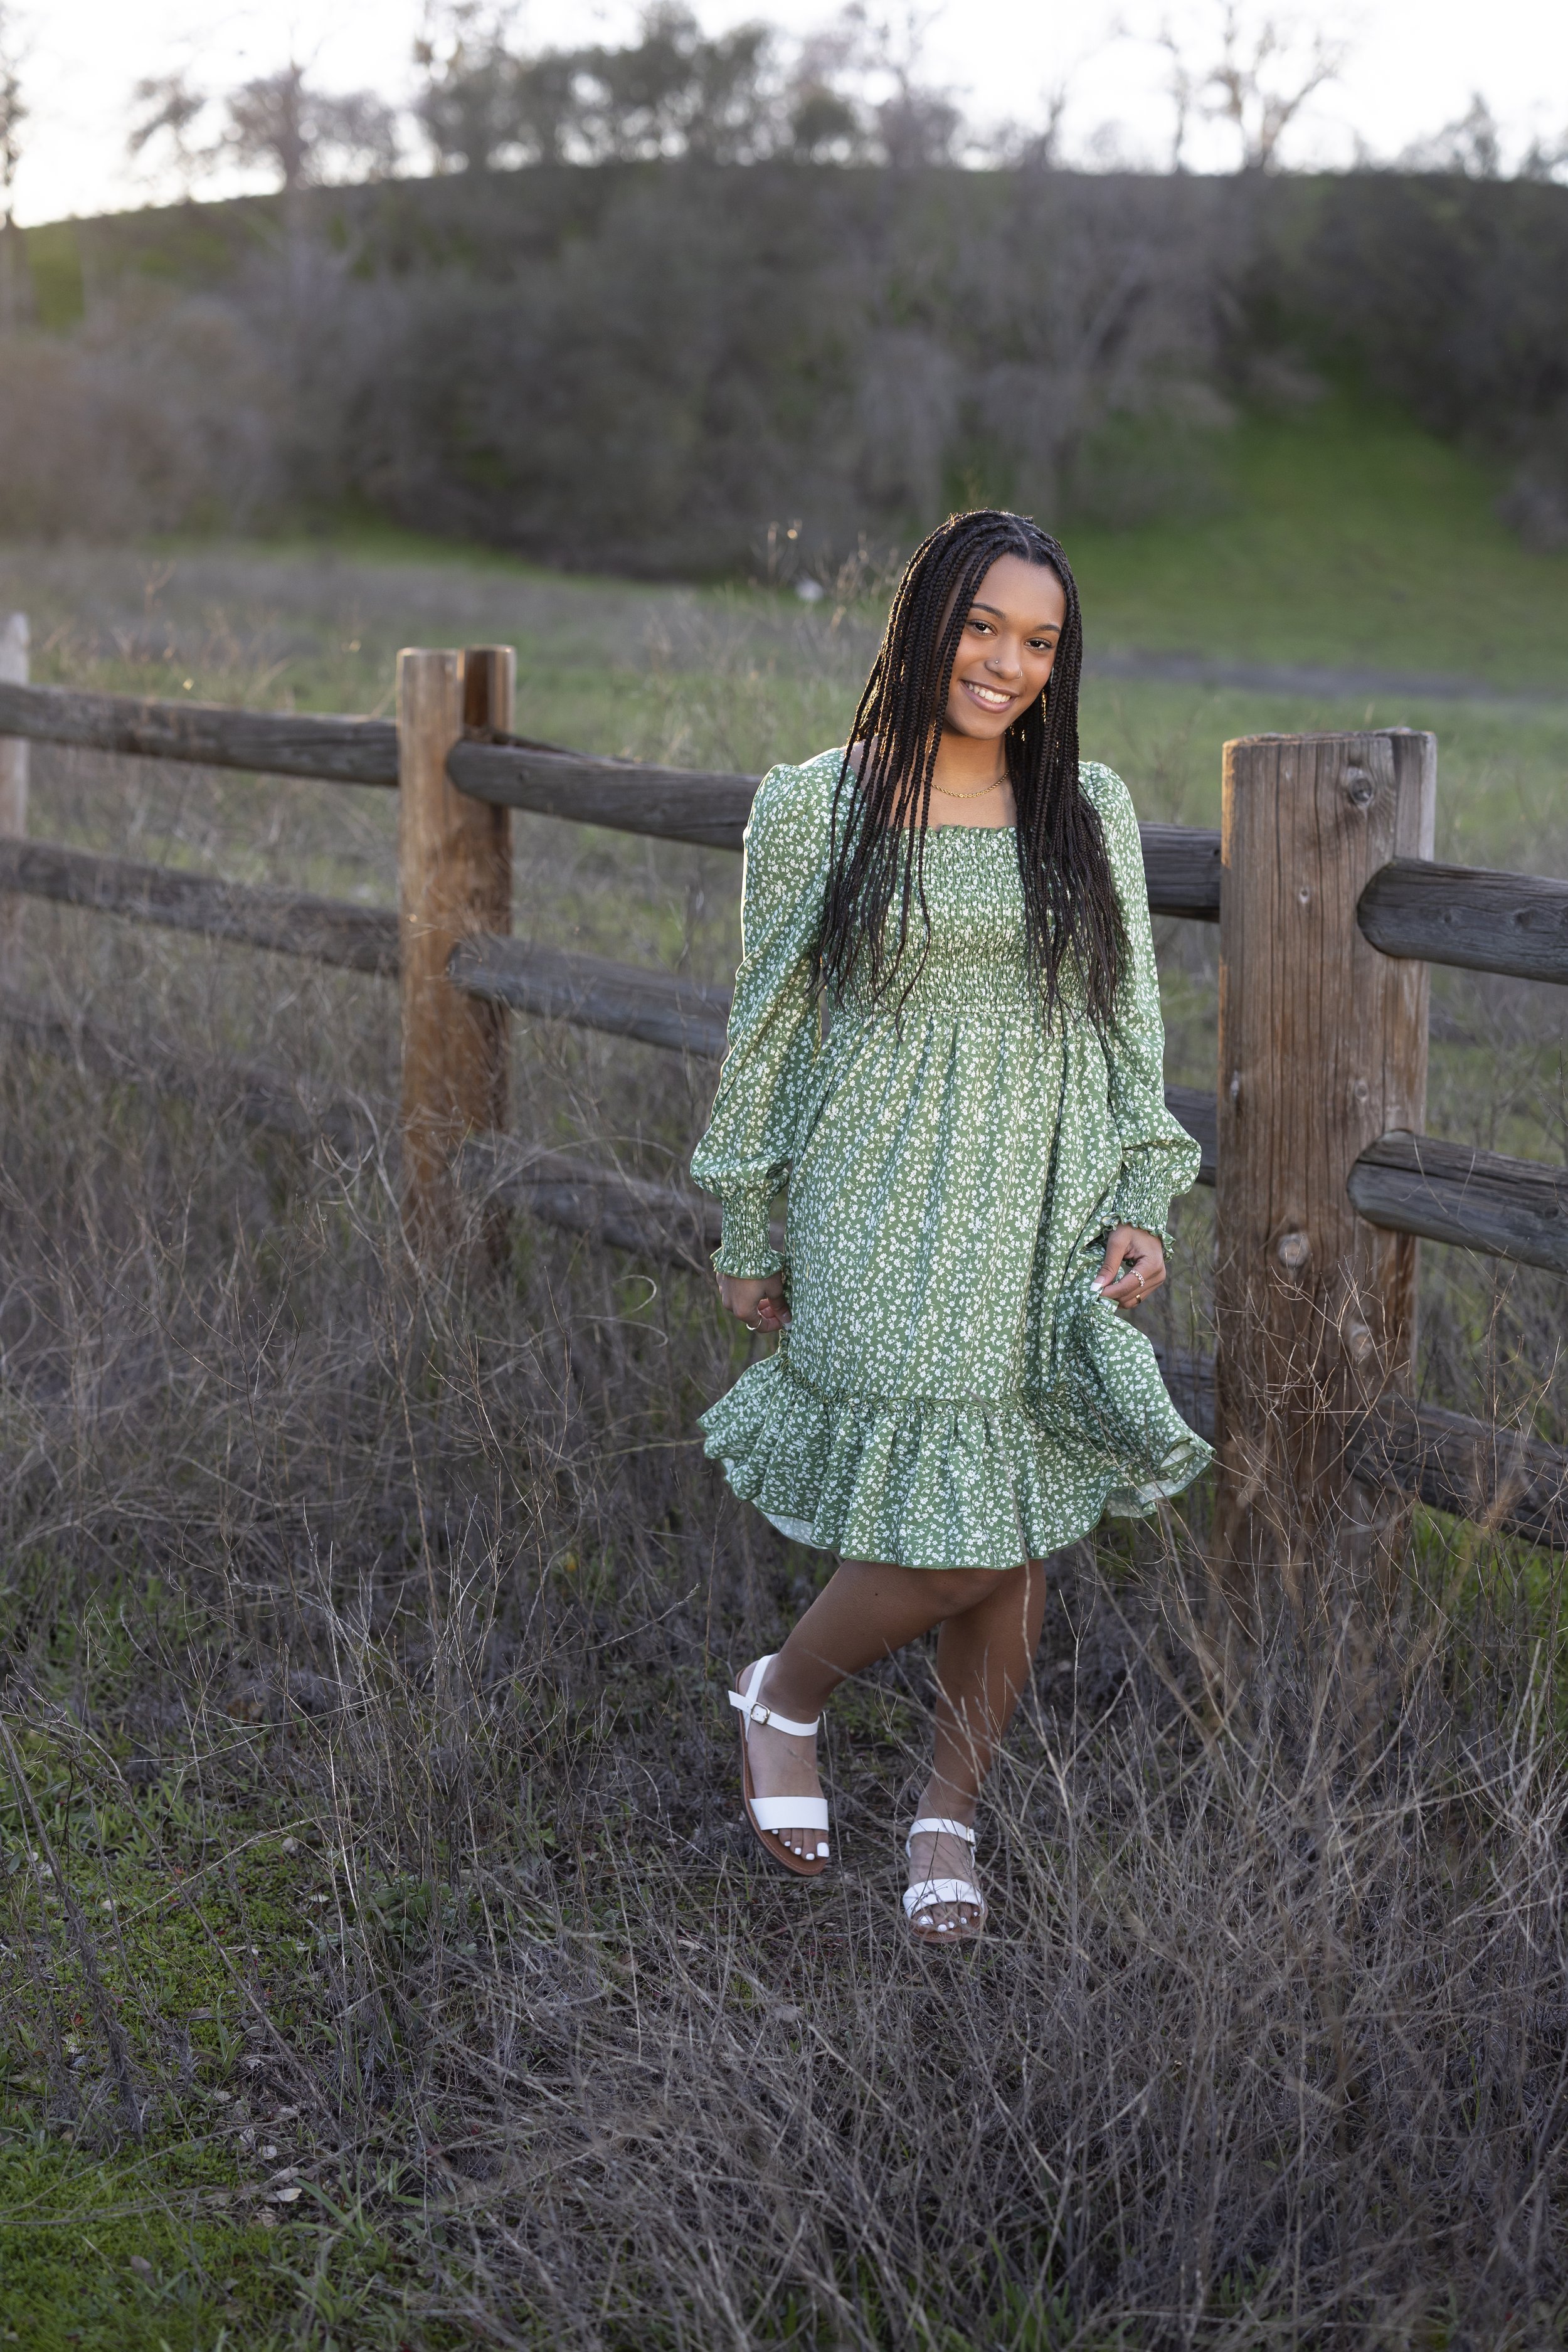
<point>982,1660</point>
<point>865,1612</point>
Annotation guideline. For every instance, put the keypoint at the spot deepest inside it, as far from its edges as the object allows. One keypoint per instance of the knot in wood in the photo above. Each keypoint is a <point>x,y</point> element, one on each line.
<point>1360,790</point>
<point>1293,1250</point>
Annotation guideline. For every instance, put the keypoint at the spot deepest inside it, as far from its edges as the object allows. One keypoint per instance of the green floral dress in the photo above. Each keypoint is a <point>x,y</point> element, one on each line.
<point>949,1392</point>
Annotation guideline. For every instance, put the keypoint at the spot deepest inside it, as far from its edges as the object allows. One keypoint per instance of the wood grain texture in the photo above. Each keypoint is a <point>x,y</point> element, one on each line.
<point>674,803</point>
<point>624,1000</point>
<point>1322,1050</point>
<point>454,879</point>
<point>13,645</point>
<point>288,922</point>
<point>1450,1193</point>
<point>336,750</point>
<point>1182,869</point>
<point>1468,915</point>
<point>1469,1469</point>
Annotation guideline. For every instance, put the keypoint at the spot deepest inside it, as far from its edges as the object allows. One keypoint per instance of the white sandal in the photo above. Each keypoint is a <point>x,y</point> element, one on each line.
<point>768,1815</point>
<point>935,1890</point>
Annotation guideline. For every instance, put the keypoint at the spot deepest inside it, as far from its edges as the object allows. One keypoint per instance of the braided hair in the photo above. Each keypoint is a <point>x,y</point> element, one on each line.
<point>1072,916</point>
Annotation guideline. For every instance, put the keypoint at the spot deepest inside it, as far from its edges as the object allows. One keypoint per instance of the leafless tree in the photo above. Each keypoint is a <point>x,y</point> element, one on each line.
<point>1545,158</point>
<point>167,112</point>
<point>277,122</point>
<point>1184,85</point>
<point>1254,72</point>
<point>1471,148</point>
<point>915,122</point>
<point>1264,77</point>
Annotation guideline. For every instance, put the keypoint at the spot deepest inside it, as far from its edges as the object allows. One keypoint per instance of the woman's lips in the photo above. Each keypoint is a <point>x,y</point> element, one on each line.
<point>989,697</point>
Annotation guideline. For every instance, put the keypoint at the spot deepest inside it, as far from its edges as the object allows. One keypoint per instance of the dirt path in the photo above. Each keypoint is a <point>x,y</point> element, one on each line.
<point>1282,677</point>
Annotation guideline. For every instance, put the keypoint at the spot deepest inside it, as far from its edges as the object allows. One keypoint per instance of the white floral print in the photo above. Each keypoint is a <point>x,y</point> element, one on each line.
<point>950,1392</point>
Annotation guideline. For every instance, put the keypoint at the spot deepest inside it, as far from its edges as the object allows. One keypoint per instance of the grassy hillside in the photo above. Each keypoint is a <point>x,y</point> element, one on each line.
<point>1345,536</point>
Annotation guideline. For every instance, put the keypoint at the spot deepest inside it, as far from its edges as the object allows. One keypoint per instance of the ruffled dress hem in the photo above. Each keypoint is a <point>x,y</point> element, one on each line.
<point>1005,1481</point>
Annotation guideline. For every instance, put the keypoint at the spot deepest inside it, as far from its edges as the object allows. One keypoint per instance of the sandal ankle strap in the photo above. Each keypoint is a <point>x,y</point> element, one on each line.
<point>754,1712</point>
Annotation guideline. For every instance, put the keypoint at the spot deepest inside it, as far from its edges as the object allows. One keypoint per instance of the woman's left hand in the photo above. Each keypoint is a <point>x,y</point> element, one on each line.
<point>1134,1266</point>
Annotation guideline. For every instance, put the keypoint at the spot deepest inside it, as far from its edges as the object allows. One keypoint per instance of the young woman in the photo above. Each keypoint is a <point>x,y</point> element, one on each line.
<point>980,1166</point>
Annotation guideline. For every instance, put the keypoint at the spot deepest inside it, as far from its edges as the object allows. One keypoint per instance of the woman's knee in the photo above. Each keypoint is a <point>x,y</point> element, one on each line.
<point>965,1588</point>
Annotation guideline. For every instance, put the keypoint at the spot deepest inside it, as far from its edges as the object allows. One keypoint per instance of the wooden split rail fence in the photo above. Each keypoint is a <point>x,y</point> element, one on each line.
<point>1330,906</point>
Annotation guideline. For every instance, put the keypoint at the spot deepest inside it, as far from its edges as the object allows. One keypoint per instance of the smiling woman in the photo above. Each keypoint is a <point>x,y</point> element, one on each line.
<point>980,1165</point>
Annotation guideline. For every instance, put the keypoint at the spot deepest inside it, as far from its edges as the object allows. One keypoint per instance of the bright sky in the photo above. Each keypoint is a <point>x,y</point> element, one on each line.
<point>1413,67</point>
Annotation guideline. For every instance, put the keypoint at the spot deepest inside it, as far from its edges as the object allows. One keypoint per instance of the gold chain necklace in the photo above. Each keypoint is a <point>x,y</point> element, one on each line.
<point>975,794</point>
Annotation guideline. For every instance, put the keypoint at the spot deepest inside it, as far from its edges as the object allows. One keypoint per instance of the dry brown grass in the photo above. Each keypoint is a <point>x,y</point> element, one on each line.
<point>424,1571</point>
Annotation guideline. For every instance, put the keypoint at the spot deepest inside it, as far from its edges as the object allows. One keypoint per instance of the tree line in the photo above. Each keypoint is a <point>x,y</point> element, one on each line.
<point>856,90</point>
<point>666,311</point>
<point>644,365</point>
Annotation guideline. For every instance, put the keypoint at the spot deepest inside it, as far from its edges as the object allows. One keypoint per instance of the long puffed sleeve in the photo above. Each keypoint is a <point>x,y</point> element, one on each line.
<point>746,1153</point>
<point>1158,1158</point>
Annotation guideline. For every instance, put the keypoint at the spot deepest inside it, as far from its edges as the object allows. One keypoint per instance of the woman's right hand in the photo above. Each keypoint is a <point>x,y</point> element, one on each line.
<point>757,1299</point>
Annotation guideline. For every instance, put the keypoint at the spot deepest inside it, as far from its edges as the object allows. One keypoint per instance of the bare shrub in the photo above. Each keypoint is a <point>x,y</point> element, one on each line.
<point>163,415</point>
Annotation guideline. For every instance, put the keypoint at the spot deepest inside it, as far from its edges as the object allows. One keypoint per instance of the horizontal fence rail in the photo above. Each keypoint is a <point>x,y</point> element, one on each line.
<point>624,1000</point>
<point>1448,1192</point>
<point>1469,1469</point>
<point>1479,919</point>
<point>1470,916</point>
<point>288,922</point>
<point>331,749</point>
<point>708,808</point>
<point>628,797</point>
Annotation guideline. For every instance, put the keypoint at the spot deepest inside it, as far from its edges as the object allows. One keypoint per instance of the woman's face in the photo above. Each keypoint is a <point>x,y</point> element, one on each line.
<point>1009,642</point>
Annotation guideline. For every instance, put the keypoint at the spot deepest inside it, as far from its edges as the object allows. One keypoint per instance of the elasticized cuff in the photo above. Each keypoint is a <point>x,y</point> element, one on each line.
<point>1142,1198</point>
<point>746,1248</point>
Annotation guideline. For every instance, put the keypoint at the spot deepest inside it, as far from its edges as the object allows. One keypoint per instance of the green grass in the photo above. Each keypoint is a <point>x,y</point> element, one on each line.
<point>1344,536</point>
<point>209,1909</point>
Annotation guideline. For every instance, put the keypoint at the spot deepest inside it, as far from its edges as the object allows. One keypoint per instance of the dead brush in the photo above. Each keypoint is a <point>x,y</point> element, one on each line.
<point>1267,2040</point>
<point>420,1571</point>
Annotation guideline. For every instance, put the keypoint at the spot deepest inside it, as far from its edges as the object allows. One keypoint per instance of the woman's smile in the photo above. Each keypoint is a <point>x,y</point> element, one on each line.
<point>989,697</point>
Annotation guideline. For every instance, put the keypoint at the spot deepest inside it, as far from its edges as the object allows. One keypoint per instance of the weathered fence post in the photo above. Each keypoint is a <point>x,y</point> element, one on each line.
<point>454,879</point>
<point>13,791</point>
<point>1322,1048</point>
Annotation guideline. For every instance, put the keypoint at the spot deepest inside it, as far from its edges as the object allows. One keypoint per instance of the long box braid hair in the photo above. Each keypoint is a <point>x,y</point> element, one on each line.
<point>1072,916</point>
